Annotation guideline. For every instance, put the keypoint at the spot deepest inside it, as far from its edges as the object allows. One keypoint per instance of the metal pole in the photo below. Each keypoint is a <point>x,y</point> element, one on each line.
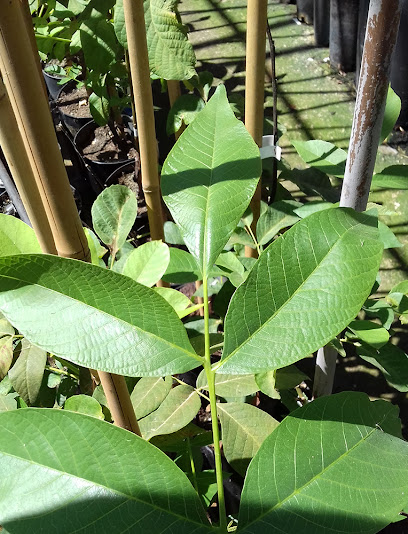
<point>257,13</point>
<point>381,35</point>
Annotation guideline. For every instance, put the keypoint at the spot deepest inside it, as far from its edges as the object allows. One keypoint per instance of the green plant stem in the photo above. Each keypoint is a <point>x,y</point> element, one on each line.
<point>60,372</point>
<point>250,232</point>
<point>210,374</point>
<point>59,39</point>
<point>192,464</point>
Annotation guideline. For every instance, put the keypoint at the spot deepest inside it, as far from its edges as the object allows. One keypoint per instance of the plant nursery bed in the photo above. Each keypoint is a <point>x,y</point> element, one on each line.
<point>74,101</point>
<point>103,147</point>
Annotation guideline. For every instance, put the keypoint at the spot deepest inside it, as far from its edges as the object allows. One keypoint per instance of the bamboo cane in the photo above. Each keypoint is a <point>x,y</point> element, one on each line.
<point>381,35</point>
<point>140,74</point>
<point>20,168</point>
<point>19,63</point>
<point>254,88</point>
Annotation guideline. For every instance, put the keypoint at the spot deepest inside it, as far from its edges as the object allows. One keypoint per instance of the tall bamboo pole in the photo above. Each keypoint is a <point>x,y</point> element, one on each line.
<point>381,35</point>
<point>20,168</point>
<point>21,76</point>
<point>140,74</point>
<point>257,11</point>
<point>22,79</point>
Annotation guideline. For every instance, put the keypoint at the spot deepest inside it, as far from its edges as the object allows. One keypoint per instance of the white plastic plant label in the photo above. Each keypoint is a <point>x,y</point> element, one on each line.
<point>269,149</point>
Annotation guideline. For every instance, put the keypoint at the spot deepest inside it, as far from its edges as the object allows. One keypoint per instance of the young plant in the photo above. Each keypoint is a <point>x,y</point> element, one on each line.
<point>334,464</point>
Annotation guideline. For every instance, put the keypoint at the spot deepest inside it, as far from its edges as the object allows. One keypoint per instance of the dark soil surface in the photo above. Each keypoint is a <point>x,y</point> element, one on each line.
<point>74,102</point>
<point>103,147</point>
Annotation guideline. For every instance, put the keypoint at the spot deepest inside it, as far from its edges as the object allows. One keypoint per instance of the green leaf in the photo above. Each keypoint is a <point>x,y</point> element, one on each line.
<point>391,114</point>
<point>290,304</point>
<point>6,355</point>
<point>182,268</point>
<point>177,300</point>
<point>322,155</point>
<point>16,237</point>
<point>369,332</point>
<point>266,383</point>
<point>244,429</point>
<point>110,478</point>
<point>391,361</point>
<point>277,216</point>
<point>289,377</point>
<point>99,107</point>
<point>5,385</point>
<point>93,317</point>
<point>184,110</point>
<point>27,373</point>
<point>7,403</point>
<point>85,405</point>
<point>98,42</point>
<point>147,263</point>
<point>312,207</point>
<point>209,178</point>
<point>5,328</point>
<point>149,393</point>
<point>230,385</point>
<point>178,408</point>
<point>312,182</point>
<point>177,441</point>
<point>96,249</point>
<point>336,465</point>
<point>388,237</point>
<point>230,261</point>
<point>172,234</point>
<point>113,215</point>
<point>392,177</point>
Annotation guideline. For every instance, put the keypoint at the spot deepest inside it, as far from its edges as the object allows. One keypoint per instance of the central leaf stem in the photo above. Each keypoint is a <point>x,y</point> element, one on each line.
<point>210,374</point>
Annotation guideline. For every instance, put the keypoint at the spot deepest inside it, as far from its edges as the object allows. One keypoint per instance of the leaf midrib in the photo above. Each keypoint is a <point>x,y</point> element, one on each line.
<point>172,345</point>
<point>341,237</point>
<point>111,490</point>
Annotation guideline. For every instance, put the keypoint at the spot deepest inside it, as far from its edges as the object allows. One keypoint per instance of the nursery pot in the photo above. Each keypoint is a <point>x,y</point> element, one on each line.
<point>101,169</point>
<point>72,123</point>
<point>399,67</point>
<point>305,11</point>
<point>343,34</point>
<point>321,22</point>
<point>53,85</point>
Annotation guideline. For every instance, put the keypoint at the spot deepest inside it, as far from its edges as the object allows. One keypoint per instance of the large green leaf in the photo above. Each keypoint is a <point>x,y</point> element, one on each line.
<point>94,317</point>
<point>305,288</point>
<point>98,41</point>
<point>244,428</point>
<point>113,215</point>
<point>63,472</point>
<point>16,237</point>
<point>176,411</point>
<point>171,55</point>
<point>27,373</point>
<point>336,465</point>
<point>209,178</point>
<point>391,114</point>
<point>323,156</point>
<point>392,177</point>
<point>147,263</point>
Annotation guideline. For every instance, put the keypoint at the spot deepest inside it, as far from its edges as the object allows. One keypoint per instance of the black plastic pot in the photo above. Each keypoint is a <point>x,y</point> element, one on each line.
<point>343,34</point>
<point>72,123</point>
<point>321,22</point>
<point>52,84</point>
<point>101,169</point>
<point>399,68</point>
<point>305,11</point>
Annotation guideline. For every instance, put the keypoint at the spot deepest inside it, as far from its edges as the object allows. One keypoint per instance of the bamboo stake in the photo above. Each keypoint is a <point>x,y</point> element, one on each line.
<point>20,168</point>
<point>381,35</point>
<point>19,63</point>
<point>254,88</point>
<point>19,66</point>
<point>140,74</point>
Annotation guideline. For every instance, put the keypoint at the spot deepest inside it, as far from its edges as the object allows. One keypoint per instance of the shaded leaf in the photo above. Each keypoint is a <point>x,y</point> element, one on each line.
<point>243,428</point>
<point>184,110</point>
<point>115,492</point>
<point>336,465</point>
<point>230,385</point>
<point>6,355</point>
<point>178,408</point>
<point>27,373</point>
<point>289,377</point>
<point>172,234</point>
<point>8,402</point>
<point>391,361</point>
<point>149,393</point>
<point>276,216</point>
<point>93,317</point>
<point>177,300</point>
<point>391,114</point>
<point>312,182</point>
<point>182,268</point>
<point>209,178</point>
<point>369,332</point>
<point>5,328</point>
<point>323,156</point>
<point>392,177</point>
<point>147,263</point>
<point>113,215</point>
<point>284,310</point>
<point>387,236</point>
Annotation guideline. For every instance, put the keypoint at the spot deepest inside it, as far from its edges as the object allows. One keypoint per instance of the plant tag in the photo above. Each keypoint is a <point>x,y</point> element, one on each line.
<point>269,149</point>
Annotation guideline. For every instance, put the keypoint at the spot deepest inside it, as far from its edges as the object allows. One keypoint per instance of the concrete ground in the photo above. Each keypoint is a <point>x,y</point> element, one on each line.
<point>313,101</point>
